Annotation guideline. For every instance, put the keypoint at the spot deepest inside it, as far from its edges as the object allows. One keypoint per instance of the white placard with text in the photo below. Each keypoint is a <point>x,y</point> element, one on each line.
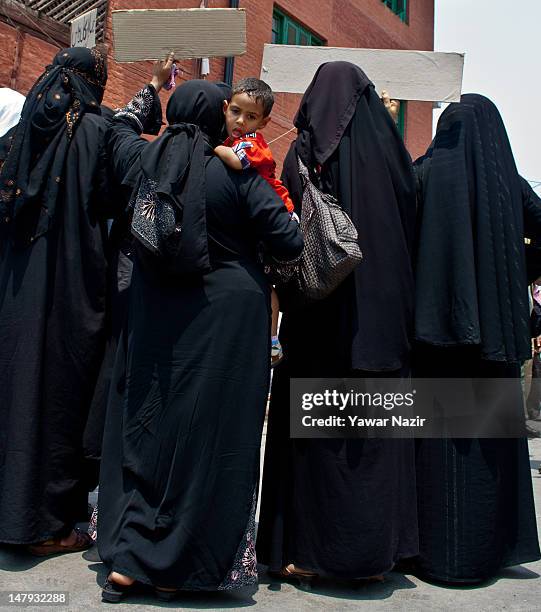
<point>83,30</point>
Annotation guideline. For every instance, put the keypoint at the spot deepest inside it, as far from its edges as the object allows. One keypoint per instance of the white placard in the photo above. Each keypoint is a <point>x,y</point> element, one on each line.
<point>83,30</point>
<point>406,75</point>
<point>150,34</point>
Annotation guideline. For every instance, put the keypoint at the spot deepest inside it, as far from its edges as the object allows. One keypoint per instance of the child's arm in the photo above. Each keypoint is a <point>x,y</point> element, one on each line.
<point>228,156</point>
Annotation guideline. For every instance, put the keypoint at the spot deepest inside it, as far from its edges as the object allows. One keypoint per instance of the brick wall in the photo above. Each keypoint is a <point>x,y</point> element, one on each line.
<point>35,54</point>
<point>345,23</point>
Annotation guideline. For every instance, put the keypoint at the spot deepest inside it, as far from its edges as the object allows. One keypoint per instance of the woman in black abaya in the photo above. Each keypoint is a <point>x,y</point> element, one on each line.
<point>346,508</point>
<point>52,301</point>
<point>180,464</point>
<point>476,509</point>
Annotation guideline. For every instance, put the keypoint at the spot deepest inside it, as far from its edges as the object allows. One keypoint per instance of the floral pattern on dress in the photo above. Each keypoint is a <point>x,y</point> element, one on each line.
<point>244,570</point>
<point>139,107</point>
<point>93,524</point>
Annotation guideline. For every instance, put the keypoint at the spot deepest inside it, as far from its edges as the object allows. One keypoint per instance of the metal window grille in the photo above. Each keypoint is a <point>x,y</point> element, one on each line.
<point>65,11</point>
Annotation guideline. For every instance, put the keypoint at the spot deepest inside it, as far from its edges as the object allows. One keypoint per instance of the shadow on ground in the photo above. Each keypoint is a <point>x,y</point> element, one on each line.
<point>350,590</point>
<point>15,558</point>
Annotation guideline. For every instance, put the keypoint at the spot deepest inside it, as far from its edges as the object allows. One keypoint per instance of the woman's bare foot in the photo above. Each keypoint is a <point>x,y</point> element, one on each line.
<point>121,579</point>
<point>296,570</point>
<point>76,541</point>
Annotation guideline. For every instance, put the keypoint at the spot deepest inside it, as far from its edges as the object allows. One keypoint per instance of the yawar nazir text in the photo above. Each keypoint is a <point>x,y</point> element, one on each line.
<point>355,421</point>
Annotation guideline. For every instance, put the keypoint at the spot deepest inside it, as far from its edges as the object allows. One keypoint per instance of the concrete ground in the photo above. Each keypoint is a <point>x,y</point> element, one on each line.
<point>517,588</point>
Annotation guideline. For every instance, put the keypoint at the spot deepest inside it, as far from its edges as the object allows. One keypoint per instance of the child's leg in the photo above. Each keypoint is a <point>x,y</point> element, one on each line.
<point>276,350</point>
<point>275,305</point>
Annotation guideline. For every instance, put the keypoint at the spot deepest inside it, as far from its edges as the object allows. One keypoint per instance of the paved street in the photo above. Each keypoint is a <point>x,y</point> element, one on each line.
<point>516,588</point>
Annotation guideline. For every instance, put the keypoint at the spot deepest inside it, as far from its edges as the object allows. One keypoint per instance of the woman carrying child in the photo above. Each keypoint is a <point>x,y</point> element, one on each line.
<point>180,465</point>
<point>247,111</point>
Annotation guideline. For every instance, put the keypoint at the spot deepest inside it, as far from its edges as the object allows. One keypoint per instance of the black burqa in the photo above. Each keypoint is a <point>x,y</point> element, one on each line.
<point>52,296</point>
<point>476,511</point>
<point>346,508</point>
<point>178,146</point>
<point>180,464</point>
<point>120,247</point>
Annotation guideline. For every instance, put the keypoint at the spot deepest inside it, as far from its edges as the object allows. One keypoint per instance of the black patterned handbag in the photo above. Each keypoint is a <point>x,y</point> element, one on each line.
<point>331,248</point>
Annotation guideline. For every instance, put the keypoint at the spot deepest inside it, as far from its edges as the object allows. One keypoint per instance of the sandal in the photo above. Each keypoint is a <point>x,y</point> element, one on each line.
<point>112,592</point>
<point>290,572</point>
<point>54,546</point>
<point>362,582</point>
<point>163,594</point>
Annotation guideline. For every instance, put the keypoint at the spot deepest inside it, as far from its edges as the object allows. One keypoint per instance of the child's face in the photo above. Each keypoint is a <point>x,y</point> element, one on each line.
<point>243,115</point>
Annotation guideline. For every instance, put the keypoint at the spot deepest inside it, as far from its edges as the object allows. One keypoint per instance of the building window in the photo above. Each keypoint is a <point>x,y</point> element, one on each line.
<point>400,7</point>
<point>286,31</point>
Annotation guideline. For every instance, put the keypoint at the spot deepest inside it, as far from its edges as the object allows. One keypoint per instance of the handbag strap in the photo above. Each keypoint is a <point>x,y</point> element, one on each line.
<point>307,181</point>
<point>303,170</point>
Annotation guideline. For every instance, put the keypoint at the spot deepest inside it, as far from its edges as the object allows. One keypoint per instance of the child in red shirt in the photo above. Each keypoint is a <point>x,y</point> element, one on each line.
<point>248,111</point>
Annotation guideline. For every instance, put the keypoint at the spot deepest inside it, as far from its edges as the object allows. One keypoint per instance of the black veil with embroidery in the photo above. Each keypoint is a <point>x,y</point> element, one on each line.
<point>32,171</point>
<point>53,263</point>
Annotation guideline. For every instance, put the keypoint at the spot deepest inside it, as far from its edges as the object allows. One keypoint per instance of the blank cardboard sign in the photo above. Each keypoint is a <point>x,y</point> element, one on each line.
<point>406,75</point>
<point>150,34</point>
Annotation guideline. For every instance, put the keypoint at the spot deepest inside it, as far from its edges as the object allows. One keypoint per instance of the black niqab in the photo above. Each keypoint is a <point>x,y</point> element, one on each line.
<point>32,172</point>
<point>344,128</point>
<point>346,508</point>
<point>322,119</point>
<point>471,285</point>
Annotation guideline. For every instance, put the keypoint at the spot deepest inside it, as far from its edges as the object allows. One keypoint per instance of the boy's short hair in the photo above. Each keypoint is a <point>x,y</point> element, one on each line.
<point>258,90</point>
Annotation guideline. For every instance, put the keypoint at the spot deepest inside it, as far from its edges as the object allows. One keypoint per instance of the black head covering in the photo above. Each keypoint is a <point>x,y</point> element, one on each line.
<point>32,171</point>
<point>326,110</point>
<point>471,271</point>
<point>226,89</point>
<point>344,128</point>
<point>175,164</point>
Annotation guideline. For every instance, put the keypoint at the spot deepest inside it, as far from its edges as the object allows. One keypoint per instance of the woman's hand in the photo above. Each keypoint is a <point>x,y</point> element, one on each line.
<point>393,106</point>
<point>162,72</point>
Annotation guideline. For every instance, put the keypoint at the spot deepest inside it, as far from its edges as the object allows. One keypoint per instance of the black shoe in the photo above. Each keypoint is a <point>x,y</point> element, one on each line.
<point>165,595</point>
<point>112,592</point>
